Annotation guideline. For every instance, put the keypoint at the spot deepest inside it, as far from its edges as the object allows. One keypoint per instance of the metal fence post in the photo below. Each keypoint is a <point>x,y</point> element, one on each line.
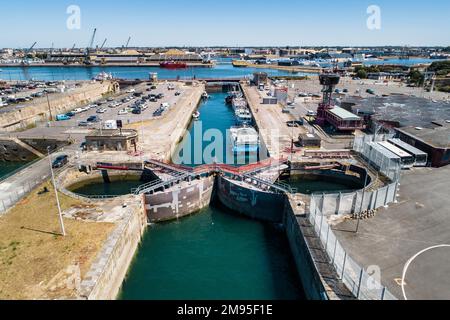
<point>335,247</point>
<point>343,265</point>
<point>359,283</point>
<point>383,292</point>
<point>320,229</point>
<point>328,234</point>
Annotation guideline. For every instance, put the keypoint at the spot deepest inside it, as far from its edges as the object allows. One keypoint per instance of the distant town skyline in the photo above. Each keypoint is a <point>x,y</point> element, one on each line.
<point>231,23</point>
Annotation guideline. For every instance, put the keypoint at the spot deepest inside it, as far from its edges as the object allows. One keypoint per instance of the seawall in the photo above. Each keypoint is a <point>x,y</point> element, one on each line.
<point>107,273</point>
<point>39,110</point>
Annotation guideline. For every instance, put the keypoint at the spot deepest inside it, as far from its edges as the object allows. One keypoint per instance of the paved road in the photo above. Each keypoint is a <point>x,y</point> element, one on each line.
<point>16,187</point>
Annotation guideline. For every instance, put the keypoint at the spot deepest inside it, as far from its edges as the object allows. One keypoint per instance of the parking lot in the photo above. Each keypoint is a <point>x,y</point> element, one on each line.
<point>121,107</point>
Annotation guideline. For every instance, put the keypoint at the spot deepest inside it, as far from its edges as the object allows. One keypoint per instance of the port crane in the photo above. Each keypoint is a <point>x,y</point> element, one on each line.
<point>103,44</point>
<point>128,43</point>
<point>26,52</point>
<point>87,58</point>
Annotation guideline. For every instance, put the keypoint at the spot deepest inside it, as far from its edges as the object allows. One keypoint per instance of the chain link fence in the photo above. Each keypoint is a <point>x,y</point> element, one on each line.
<point>364,286</point>
<point>12,198</point>
<point>391,168</point>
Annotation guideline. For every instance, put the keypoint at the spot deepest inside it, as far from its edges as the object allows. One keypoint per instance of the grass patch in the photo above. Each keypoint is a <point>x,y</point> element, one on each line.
<point>32,252</point>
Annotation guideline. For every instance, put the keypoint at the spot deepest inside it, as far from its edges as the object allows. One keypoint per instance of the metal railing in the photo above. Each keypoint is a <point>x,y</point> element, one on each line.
<point>361,284</point>
<point>155,185</point>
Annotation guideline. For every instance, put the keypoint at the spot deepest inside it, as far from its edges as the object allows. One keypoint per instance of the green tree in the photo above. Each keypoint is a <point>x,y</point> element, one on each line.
<point>361,74</point>
<point>416,77</point>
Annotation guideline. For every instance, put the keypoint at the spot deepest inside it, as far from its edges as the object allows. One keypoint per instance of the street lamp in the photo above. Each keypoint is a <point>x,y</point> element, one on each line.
<point>61,221</point>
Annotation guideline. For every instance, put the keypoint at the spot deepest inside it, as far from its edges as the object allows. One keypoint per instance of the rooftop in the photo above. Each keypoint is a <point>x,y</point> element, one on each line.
<point>406,110</point>
<point>344,114</point>
<point>437,136</point>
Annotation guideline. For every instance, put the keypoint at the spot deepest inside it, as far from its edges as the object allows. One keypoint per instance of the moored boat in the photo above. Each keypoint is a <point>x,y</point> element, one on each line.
<point>196,115</point>
<point>243,116</point>
<point>173,65</point>
<point>244,139</point>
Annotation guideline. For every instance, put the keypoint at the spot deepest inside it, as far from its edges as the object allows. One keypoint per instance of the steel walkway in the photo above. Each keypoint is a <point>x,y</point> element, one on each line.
<point>245,174</point>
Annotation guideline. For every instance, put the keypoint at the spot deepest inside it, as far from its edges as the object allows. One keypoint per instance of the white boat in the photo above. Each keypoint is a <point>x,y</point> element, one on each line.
<point>205,95</point>
<point>243,116</point>
<point>103,76</point>
<point>244,139</point>
<point>196,115</point>
<point>238,103</point>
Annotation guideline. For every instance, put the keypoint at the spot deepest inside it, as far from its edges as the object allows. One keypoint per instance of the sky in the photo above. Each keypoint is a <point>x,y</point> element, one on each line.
<point>226,22</point>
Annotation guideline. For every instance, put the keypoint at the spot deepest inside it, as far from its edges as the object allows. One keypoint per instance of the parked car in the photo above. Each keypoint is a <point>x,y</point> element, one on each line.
<point>311,113</point>
<point>122,112</point>
<point>136,111</point>
<point>83,124</point>
<point>60,161</point>
<point>177,93</point>
<point>70,114</point>
<point>295,123</point>
<point>93,119</point>
<point>62,117</point>
<point>101,110</point>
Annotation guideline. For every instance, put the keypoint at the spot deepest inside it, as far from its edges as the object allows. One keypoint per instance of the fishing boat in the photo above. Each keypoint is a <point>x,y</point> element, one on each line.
<point>244,139</point>
<point>173,65</point>
<point>238,103</point>
<point>196,115</point>
<point>231,96</point>
<point>205,95</point>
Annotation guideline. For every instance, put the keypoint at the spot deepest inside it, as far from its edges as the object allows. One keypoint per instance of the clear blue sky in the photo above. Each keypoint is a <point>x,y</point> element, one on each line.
<point>232,22</point>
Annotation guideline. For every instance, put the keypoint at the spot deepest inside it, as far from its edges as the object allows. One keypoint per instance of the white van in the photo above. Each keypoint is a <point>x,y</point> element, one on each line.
<point>110,124</point>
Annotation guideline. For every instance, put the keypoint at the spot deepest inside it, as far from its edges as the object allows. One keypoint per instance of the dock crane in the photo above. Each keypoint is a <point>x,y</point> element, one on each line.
<point>87,58</point>
<point>26,52</point>
<point>128,43</point>
<point>103,44</point>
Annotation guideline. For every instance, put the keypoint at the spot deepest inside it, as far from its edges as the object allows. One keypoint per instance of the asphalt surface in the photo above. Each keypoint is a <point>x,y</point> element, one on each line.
<point>421,219</point>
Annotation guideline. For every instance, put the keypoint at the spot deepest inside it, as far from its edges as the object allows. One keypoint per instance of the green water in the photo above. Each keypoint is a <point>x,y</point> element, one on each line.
<point>7,168</point>
<point>213,255</point>
<point>308,186</point>
<point>99,188</point>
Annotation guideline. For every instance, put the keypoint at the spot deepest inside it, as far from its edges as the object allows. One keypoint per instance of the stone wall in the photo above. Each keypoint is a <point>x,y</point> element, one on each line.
<point>311,280</point>
<point>39,109</point>
<point>12,151</point>
<point>105,278</point>
<point>41,144</point>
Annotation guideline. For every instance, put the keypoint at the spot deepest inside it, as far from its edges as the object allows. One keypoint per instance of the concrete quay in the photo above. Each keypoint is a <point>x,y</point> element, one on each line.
<point>159,137</point>
<point>420,220</point>
<point>271,123</point>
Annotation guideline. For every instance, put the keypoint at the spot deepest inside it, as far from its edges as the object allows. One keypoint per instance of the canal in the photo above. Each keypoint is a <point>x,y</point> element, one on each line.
<point>214,254</point>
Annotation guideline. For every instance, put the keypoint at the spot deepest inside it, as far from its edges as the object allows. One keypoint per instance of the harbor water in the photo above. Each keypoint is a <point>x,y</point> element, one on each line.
<point>225,70</point>
<point>8,168</point>
<point>214,254</point>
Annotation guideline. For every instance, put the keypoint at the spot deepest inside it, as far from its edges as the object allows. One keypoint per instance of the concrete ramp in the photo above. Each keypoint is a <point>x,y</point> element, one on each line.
<point>28,147</point>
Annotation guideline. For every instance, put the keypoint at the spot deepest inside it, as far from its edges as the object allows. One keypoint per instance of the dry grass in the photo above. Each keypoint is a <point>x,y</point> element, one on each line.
<point>31,251</point>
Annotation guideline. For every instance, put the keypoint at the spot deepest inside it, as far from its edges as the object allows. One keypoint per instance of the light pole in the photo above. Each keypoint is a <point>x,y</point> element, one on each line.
<point>61,221</point>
